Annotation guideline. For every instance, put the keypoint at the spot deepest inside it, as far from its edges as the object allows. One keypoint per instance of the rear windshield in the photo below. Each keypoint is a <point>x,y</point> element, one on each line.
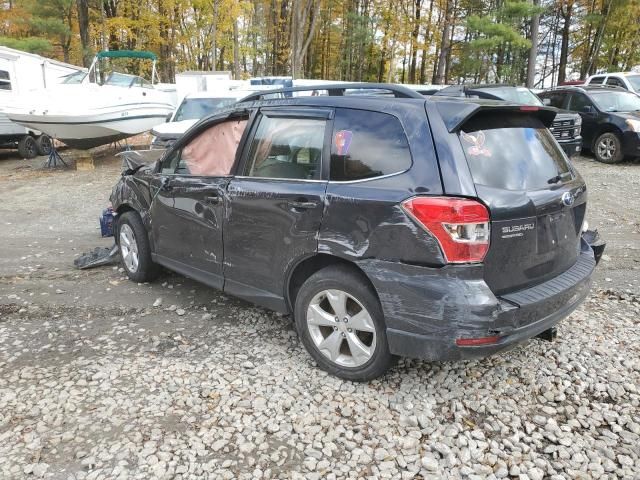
<point>512,152</point>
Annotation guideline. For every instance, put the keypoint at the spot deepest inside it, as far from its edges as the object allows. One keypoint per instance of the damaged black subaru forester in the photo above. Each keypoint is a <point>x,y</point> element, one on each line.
<point>387,224</point>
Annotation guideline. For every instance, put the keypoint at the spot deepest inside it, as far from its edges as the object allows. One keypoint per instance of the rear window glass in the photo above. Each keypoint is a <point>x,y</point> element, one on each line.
<point>367,144</point>
<point>512,152</point>
<point>596,80</point>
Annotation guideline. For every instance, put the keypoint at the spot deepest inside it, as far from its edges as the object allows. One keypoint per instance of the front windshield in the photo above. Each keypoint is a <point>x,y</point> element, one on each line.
<point>197,108</point>
<point>73,78</point>
<point>118,79</point>
<point>516,95</point>
<point>616,101</point>
<point>634,80</point>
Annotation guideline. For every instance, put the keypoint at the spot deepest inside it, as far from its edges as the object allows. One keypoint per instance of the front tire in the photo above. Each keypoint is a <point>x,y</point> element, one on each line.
<point>340,323</point>
<point>27,147</point>
<point>608,148</point>
<point>135,250</point>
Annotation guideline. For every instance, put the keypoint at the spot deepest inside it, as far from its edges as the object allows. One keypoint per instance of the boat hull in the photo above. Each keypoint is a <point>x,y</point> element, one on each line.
<point>87,116</point>
<point>94,129</point>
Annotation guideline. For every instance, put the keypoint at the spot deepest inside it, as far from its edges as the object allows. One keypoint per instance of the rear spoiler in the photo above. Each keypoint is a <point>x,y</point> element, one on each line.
<point>456,113</point>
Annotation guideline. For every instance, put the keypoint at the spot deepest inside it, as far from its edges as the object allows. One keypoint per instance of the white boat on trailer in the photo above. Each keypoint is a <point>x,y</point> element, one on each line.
<point>90,113</point>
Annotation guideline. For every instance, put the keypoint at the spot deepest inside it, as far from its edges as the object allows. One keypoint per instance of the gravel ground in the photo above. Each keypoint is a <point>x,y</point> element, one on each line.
<point>101,378</point>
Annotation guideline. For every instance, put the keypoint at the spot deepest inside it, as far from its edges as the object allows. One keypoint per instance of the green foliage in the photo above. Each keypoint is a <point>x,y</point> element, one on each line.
<point>367,40</point>
<point>41,46</point>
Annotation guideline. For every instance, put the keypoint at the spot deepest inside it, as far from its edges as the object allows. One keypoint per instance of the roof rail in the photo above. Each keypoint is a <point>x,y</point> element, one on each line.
<point>338,90</point>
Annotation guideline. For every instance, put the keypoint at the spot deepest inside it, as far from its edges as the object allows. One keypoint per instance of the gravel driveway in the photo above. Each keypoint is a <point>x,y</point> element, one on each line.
<point>101,378</point>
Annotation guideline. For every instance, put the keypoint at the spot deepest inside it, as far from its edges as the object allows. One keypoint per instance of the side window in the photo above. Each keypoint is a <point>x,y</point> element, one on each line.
<point>5,80</point>
<point>169,163</point>
<point>287,148</point>
<point>367,144</point>
<point>578,101</point>
<point>615,82</point>
<point>213,152</point>
<point>597,80</point>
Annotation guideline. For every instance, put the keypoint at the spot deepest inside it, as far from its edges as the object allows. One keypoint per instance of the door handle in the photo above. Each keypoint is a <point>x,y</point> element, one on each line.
<point>212,199</point>
<point>302,204</point>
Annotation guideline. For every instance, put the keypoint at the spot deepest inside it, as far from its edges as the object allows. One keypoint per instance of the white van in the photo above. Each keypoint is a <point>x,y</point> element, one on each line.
<point>21,72</point>
<point>193,108</point>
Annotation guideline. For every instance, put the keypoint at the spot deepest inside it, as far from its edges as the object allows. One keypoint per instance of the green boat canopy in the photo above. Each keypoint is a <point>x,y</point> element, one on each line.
<point>127,54</point>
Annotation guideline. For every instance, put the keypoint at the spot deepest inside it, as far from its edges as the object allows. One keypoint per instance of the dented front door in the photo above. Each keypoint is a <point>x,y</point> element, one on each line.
<point>193,245</point>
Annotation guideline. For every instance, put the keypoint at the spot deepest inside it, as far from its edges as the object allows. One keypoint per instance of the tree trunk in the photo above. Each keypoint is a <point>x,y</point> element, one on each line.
<point>564,47</point>
<point>236,51</point>
<point>303,12</point>
<point>414,41</point>
<point>427,35</point>
<point>533,52</point>
<point>595,50</point>
<point>83,26</point>
<point>214,33</point>
<point>445,45</point>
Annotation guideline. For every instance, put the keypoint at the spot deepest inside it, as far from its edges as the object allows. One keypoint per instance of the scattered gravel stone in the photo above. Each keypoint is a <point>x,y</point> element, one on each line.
<point>430,463</point>
<point>101,385</point>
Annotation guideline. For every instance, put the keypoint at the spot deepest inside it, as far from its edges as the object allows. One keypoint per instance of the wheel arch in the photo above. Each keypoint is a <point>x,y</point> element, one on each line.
<point>606,128</point>
<point>121,210</point>
<point>307,266</point>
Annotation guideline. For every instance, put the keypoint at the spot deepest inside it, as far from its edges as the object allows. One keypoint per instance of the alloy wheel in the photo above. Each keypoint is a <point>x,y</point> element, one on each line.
<point>606,148</point>
<point>129,248</point>
<point>341,328</point>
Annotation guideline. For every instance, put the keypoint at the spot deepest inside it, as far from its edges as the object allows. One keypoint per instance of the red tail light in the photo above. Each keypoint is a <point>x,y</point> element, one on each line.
<point>460,225</point>
<point>529,108</point>
<point>474,342</point>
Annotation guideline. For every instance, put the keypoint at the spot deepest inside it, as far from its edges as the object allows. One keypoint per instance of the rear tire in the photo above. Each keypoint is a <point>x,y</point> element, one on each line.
<point>608,148</point>
<point>27,147</point>
<point>44,144</point>
<point>353,347</point>
<point>135,250</point>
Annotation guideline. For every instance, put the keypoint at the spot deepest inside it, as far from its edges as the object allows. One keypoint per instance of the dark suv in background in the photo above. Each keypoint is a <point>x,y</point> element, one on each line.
<point>441,229</point>
<point>566,127</point>
<point>610,118</point>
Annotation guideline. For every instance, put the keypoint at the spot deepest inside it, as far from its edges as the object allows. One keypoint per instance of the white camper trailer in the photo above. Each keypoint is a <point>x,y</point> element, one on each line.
<point>21,72</point>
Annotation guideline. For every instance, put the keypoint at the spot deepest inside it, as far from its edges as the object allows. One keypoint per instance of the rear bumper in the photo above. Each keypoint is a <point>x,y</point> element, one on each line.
<point>426,312</point>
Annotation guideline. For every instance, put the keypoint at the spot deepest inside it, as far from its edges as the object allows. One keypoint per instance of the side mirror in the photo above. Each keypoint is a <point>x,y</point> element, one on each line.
<point>546,101</point>
<point>169,115</point>
<point>587,109</point>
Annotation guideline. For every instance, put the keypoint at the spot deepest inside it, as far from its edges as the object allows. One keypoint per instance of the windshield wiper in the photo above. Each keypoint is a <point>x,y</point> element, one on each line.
<point>558,178</point>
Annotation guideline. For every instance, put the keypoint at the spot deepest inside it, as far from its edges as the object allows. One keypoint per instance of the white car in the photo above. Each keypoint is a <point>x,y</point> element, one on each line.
<point>193,108</point>
<point>627,80</point>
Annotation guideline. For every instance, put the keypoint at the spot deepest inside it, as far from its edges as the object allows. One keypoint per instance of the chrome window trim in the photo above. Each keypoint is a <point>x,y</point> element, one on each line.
<point>368,179</point>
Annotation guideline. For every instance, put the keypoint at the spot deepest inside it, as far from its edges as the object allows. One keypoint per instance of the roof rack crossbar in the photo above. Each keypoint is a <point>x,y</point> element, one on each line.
<point>338,89</point>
